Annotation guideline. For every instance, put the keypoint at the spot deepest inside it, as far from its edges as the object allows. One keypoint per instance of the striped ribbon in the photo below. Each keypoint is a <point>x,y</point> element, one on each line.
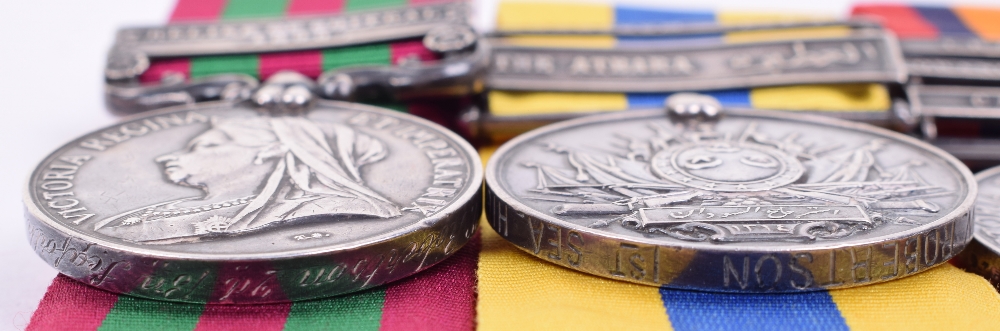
<point>927,22</point>
<point>308,62</point>
<point>440,298</point>
<point>541,16</point>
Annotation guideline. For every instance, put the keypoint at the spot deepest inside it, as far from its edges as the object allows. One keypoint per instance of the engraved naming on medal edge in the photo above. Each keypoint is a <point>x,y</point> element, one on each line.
<point>846,266</point>
<point>988,217</point>
<point>81,257</point>
<point>983,256</point>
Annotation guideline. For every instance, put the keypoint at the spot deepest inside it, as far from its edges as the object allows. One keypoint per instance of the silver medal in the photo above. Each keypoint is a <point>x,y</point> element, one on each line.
<point>983,254</point>
<point>254,202</point>
<point>745,202</point>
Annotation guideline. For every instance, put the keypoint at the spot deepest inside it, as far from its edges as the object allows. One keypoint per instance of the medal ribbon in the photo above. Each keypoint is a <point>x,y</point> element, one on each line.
<point>544,296</point>
<point>308,62</point>
<point>525,16</point>
<point>926,22</point>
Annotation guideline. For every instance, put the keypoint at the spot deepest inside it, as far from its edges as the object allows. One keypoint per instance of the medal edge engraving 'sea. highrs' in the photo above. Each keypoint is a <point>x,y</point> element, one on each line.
<point>136,252</point>
<point>983,254</point>
<point>697,254</point>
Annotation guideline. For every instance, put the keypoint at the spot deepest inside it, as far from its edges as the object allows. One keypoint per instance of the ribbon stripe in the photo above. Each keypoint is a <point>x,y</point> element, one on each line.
<point>264,65</point>
<point>522,16</point>
<point>309,63</point>
<point>947,23</point>
<point>929,22</point>
<point>71,305</point>
<point>690,310</point>
<point>360,311</point>
<point>314,7</point>
<point>905,21</point>
<point>984,21</point>
<point>248,9</point>
<point>197,11</point>
<point>234,317</point>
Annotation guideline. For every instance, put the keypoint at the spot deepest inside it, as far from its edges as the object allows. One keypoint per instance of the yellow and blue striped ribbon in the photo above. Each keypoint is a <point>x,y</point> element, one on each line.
<point>516,291</point>
<point>533,15</point>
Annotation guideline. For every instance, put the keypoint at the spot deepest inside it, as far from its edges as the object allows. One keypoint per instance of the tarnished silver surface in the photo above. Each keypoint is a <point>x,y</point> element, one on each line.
<point>254,202</point>
<point>983,254</point>
<point>872,56</point>
<point>755,202</point>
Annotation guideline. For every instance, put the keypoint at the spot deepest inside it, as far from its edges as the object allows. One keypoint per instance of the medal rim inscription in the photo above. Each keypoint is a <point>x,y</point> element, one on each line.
<point>992,245</point>
<point>982,257</point>
<point>473,188</point>
<point>498,197</point>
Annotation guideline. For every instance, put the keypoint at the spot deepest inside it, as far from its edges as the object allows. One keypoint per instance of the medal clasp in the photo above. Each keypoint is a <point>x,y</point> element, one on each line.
<point>443,27</point>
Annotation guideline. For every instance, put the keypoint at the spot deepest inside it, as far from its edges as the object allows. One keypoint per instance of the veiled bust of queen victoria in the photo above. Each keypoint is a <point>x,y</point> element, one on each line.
<point>257,173</point>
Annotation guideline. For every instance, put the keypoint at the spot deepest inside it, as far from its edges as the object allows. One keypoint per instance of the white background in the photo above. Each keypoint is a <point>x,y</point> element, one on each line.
<point>51,62</point>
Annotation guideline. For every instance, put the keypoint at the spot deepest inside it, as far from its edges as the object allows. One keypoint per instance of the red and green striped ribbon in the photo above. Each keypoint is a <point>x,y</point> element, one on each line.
<point>440,298</point>
<point>309,62</point>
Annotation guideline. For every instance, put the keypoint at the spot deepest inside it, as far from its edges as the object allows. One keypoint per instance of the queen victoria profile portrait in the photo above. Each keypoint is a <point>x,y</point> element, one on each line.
<point>256,173</point>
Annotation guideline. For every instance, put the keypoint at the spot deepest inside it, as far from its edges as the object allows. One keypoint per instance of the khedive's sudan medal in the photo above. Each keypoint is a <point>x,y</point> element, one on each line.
<point>699,198</point>
<point>275,198</point>
<point>983,254</point>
